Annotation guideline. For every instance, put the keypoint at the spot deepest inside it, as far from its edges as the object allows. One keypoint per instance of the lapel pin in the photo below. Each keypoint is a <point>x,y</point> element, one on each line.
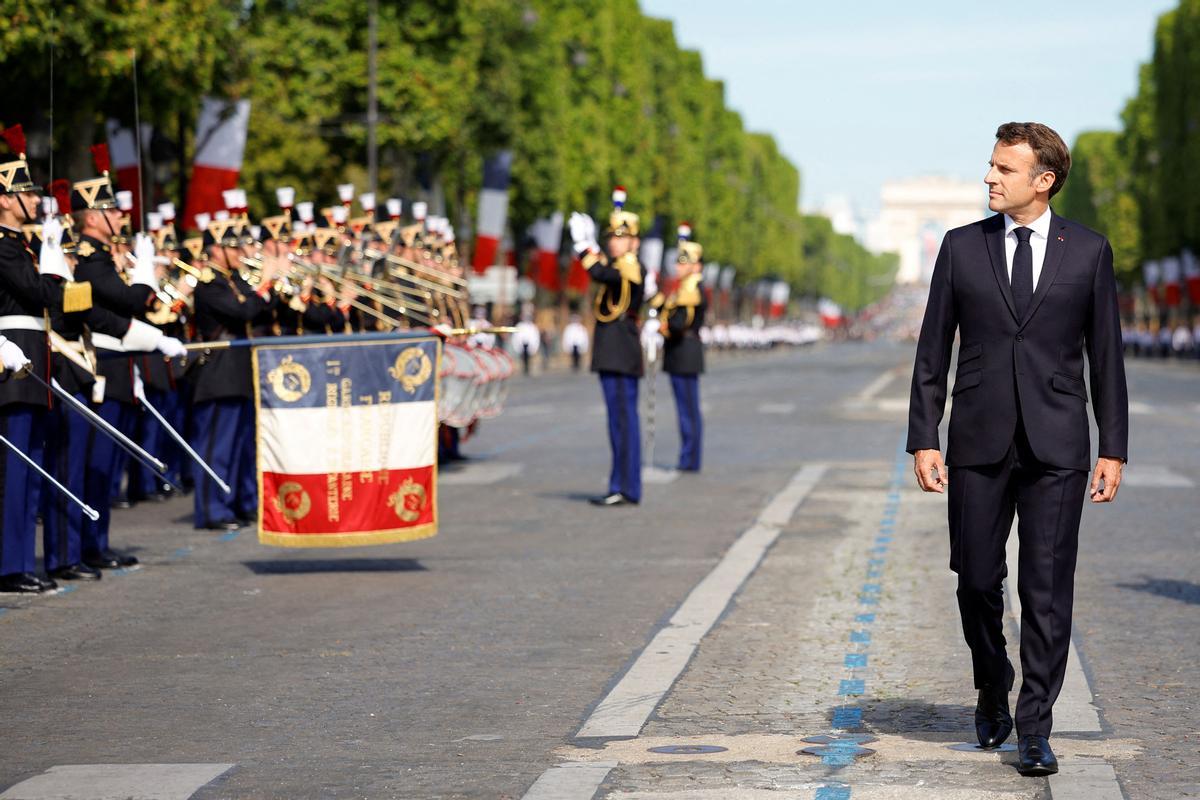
<point>1061,239</point>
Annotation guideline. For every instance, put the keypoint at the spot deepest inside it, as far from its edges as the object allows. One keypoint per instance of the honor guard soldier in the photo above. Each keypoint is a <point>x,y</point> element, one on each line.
<point>129,295</point>
<point>223,384</point>
<point>681,316</point>
<point>24,297</point>
<point>616,347</point>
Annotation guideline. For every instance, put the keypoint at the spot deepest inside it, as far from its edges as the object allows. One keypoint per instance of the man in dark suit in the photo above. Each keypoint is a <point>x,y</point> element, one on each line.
<point>1028,292</point>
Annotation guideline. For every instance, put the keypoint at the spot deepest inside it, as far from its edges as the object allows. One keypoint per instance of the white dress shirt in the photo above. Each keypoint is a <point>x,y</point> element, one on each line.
<point>1037,242</point>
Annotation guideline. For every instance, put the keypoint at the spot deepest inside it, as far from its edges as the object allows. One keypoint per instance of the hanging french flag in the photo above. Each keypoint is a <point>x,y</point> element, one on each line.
<point>780,292</point>
<point>1191,274</point>
<point>220,146</point>
<point>1151,273</point>
<point>493,210</point>
<point>1172,281</point>
<point>122,149</point>
<point>547,234</point>
<point>347,441</point>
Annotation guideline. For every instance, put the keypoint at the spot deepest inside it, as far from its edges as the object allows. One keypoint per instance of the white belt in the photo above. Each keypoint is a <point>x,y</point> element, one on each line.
<point>105,342</point>
<point>20,322</point>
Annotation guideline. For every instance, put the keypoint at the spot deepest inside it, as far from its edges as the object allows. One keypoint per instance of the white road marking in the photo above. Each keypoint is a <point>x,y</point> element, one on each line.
<point>625,709</point>
<point>1085,780</point>
<point>478,474</point>
<point>117,782</point>
<point>1074,711</point>
<point>777,408</point>
<point>878,385</point>
<point>570,781</point>
<point>1155,476</point>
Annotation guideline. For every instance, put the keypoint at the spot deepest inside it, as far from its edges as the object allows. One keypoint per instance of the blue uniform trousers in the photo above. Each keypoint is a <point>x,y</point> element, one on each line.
<point>691,427</point>
<point>154,439</point>
<point>624,434</point>
<point>224,437</point>
<point>25,427</point>
<point>67,460</point>
<point>104,459</point>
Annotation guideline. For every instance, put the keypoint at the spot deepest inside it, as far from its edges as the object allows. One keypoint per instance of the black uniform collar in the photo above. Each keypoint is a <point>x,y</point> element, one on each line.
<point>90,244</point>
<point>9,233</point>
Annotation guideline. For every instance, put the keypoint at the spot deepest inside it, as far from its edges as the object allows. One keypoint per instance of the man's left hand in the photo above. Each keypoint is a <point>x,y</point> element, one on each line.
<point>1108,471</point>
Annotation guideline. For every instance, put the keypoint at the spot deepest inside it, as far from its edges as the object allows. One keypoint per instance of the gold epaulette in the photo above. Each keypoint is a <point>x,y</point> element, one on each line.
<point>689,292</point>
<point>630,268</point>
<point>77,297</point>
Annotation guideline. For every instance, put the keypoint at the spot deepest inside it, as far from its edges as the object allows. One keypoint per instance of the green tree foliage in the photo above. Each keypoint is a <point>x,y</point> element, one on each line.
<point>1098,193</point>
<point>586,94</point>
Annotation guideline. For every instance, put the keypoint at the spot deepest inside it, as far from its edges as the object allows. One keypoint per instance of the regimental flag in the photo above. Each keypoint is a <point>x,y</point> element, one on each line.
<point>347,442</point>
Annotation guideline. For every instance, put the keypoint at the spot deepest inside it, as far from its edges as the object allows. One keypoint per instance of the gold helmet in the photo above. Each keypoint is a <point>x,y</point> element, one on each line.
<point>621,222</point>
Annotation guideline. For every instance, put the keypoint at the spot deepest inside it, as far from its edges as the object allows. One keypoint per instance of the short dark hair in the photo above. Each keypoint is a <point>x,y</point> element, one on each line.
<point>1048,147</point>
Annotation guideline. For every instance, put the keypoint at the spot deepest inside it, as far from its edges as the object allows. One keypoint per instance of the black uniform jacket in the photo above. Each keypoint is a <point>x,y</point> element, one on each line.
<point>95,264</point>
<point>227,308</point>
<point>1029,368</point>
<point>617,346</point>
<point>683,352</point>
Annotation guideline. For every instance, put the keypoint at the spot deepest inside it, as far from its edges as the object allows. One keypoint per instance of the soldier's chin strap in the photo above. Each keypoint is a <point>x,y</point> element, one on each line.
<point>24,210</point>
<point>113,238</point>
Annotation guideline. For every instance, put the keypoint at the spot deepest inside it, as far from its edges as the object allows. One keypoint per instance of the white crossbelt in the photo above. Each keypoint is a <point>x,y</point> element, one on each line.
<point>21,322</point>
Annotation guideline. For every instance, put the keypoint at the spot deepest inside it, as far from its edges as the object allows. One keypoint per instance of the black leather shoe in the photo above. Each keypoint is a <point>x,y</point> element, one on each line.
<point>75,572</point>
<point>1035,757</point>
<point>993,722</point>
<point>615,499</point>
<point>21,583</point>
<point>48,584</point>
<point>109,559</point>
<point>226,525</point>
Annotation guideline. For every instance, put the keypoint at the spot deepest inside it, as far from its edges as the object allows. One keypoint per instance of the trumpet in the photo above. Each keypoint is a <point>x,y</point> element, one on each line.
<point>356,282</point>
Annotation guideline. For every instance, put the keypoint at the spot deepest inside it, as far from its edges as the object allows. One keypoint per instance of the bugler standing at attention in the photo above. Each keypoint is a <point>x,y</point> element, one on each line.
<point>616,349</point>
<point>681,316</point>
<point>104,237</point>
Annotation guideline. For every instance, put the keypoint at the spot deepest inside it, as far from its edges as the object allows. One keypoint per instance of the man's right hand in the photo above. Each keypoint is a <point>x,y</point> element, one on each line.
<point>931,471</point>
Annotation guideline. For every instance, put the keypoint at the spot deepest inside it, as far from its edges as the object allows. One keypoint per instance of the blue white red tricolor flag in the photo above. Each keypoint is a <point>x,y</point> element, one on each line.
<point>347,442</point>
<point>493,210</point>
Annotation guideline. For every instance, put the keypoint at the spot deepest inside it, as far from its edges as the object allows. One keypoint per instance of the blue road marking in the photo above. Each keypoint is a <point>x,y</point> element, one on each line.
<point>856,660</point>
<point>868,617</point>
<point>850,686</point>
<point>847,718</point>
<point>874,573</point>
<point>230,536</point>
<point>832,792</point>
<point>872,588</point>
<point>860,636</point>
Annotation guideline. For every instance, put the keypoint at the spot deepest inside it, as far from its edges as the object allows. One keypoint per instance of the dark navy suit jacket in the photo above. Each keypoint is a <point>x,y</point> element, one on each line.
<point>1029,368</point>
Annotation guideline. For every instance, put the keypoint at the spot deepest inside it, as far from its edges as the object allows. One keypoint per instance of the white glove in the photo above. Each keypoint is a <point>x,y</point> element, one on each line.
<point>171,347</point>
<point>651,284</point>
<point>142,273</point>
<point>139,388</point>
<point>11,356</point>
<point>50,259</point>
<point>141,337</point>
<point>583,233</point>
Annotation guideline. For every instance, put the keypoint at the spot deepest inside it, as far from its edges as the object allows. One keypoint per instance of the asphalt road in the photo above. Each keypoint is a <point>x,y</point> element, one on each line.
<point>465,665</point>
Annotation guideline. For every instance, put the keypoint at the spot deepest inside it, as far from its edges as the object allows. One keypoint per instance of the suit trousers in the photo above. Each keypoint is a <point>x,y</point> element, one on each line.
<point>1048,503</point>
<point>624,434</point>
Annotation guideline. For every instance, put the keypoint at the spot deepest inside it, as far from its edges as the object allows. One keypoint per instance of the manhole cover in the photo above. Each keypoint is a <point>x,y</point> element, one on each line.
<point>836,753</point>
<point>856,738</point>
<point>688,749</point>
<point>972,747</point>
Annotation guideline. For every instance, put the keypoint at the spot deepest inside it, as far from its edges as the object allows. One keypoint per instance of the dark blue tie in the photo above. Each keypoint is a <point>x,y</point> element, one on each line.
<point>1022,272</point>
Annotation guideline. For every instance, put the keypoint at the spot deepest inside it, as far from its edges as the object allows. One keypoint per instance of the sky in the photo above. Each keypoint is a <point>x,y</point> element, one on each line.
<point>858,92</point>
